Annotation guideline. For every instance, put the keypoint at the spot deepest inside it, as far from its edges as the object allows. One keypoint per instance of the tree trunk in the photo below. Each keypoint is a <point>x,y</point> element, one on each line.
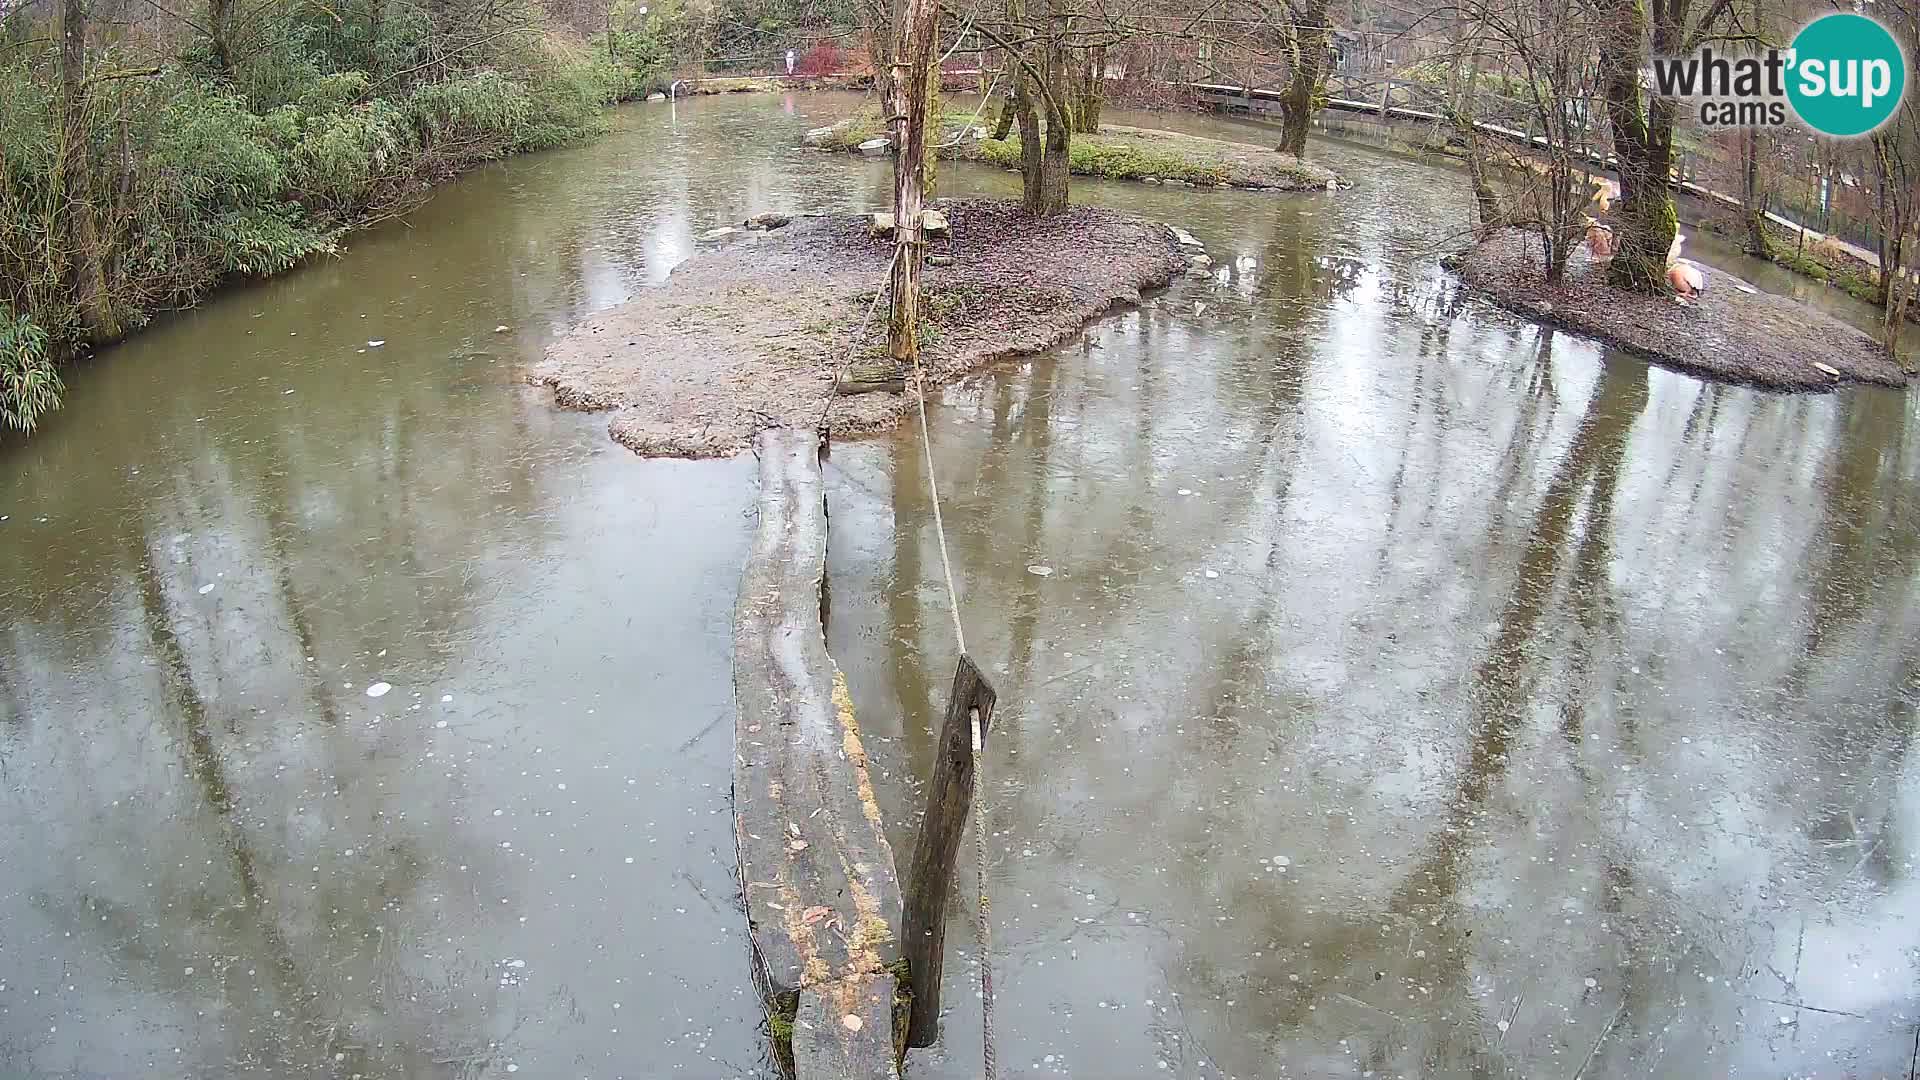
<point>1311,35</point>
<point>1044,147</point>
<point>1899,294</point>
<point>1003,126</point>
<point>1032,150</point>
<point>220,34</point>
<point>74,182</point>
<point>376,21</point>
<point>1643,146</point>
<point>1089,87</point>
<point>1890,178</point>
<point>908,82</point>
<point>1753,199</point>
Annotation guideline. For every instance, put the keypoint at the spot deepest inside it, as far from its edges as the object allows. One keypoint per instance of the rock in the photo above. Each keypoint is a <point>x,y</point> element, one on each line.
<point>1199,264</point>
<point>933,223</point>
<point>880,225</point>
<point>939,260</point>
<point>767,221</point>
<point>819,133</point>
<point>1186,238</point>
<point>1150,180</point>
<point>720,233</point>
<point>502,328</point>
<point>871,376</point>
<point>656,96</point>
<point>1826,369</point>
<point>1333,185</point>
<point>981,133</point>
<point>874,147</point>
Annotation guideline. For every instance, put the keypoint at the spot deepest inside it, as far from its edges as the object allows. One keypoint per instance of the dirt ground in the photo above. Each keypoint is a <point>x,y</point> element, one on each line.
<point>752,334</point>
<point>1758,338</point>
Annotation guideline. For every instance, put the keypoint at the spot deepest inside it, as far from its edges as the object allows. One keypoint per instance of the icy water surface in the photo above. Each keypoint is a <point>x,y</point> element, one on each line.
<point>1411,691</point>
<point>1390,687</point>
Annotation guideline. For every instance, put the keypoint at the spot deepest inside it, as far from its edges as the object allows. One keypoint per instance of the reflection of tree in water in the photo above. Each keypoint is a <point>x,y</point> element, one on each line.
<point>333,954</point>
<point>1861,565</point>
<point>1500,695</point>
<point>1502,688</point>
<point>293,1043</point>
<point>1869,537</point>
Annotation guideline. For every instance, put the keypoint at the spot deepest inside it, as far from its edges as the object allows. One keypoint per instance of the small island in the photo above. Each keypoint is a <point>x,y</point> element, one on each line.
<point>1731,331</point>
<point>1115,152</point>
<point>759,331</point>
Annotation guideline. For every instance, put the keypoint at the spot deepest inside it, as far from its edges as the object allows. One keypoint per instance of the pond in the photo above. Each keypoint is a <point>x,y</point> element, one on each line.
<point>1389,686</point>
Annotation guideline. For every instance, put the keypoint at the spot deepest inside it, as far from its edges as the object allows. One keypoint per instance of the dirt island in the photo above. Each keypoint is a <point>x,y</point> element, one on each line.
<point>1731,332</point>
<point>757,330</point>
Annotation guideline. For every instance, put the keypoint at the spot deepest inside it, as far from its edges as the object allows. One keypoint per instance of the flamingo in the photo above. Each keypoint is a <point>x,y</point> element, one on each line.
<point>1688,278</point>
<point>1599,240</point>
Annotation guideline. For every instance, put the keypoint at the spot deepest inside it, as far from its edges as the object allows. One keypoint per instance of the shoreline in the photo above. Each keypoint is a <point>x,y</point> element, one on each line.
<point>685,376</point>
<point>1729,334</point>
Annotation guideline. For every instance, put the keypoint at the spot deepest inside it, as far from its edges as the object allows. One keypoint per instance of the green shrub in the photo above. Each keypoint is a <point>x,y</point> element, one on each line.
<point>329,115</point>
<point>343,157</point>
<point>209,153</point>
<point>29,384</point>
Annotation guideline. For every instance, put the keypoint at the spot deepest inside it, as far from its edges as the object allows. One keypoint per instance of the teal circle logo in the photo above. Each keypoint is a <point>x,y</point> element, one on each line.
<point>1848,75</point>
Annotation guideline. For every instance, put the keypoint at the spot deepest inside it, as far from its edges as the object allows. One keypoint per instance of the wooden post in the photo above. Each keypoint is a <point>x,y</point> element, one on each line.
<point>930,880</point>
<point>907,96</point>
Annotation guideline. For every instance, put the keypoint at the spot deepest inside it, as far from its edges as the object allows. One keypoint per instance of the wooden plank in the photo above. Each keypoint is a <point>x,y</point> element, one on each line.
<point>844,1030</point>
<point>949,798</point>
<point>822,900</point>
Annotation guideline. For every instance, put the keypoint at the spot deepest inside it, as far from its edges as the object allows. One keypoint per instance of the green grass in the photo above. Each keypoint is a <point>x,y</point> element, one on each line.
<point>1802,264</point>
<point>1114,154</point>
<point>1113,160</point>
<point>1857,285</point>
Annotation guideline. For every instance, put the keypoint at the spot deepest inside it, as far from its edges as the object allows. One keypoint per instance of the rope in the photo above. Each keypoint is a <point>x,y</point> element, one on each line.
<point>984,99</point>
<point>940,530</point>
<point>833,392</point>
<point>982,930</point>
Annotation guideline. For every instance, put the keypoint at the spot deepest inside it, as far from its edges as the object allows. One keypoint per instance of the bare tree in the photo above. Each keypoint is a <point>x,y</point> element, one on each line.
<point>1642,123</point>
<point>1308,59</point>
<point>1539,52</point>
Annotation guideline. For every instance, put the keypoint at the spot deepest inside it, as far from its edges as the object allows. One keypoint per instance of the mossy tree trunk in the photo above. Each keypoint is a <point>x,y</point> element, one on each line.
<point>1895,181</point>
<point>1488,215</point>
<point>1090,86</point>
<point>1047,192</point>
<point>1311,35</point>
<point>1643,146</point>
<point>1753,198</point>
<point>1044,109</point>
<point>1003,126</point>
